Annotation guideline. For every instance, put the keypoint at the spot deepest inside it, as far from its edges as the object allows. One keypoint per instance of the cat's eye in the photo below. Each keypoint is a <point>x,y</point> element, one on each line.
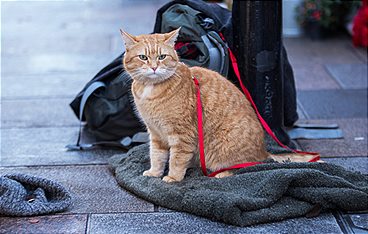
<point>162,56</point>
<point>143,57</point>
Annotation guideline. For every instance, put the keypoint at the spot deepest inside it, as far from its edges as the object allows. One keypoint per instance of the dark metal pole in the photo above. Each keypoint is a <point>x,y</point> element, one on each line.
<point>257,27</point>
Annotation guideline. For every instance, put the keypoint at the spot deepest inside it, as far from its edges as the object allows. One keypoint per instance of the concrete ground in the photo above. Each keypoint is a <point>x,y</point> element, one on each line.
<point>50,49</point>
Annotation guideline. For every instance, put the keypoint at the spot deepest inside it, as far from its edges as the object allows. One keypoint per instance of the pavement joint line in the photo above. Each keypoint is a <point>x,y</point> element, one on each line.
<point>332,77</point>
<point>299,104</point>
<point>88,223</point>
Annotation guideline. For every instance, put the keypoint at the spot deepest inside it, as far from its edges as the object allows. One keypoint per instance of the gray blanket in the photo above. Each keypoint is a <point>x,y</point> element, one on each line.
<point>259,194</point>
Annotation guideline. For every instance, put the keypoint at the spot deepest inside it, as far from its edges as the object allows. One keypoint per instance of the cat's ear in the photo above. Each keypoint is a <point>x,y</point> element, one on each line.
<point>171,37</point>
<point>128,39</point>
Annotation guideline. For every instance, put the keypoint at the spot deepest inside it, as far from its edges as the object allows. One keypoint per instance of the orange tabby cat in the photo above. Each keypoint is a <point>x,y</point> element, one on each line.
<point>165,97</point>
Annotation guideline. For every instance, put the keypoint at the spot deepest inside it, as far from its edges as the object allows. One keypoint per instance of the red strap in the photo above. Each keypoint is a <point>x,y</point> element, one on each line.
<point>263,122</point>
<point>200,127</point>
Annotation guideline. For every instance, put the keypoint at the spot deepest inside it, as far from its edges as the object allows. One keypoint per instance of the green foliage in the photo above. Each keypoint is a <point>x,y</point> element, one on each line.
<point>328,13</point>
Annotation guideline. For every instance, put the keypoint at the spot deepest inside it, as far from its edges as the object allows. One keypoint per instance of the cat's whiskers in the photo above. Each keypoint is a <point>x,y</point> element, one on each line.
<point>135,74</point>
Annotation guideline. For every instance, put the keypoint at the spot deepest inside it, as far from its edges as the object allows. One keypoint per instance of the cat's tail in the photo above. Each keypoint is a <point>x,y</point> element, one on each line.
<point>281,158</point>
<point>294,157</point>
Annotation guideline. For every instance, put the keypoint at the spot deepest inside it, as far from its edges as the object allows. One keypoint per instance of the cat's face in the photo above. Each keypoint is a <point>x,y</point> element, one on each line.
<point>150,59</point>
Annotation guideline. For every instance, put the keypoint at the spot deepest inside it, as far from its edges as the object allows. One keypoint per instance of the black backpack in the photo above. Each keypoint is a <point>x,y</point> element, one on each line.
<point>105,103</point>
<point>198,43</point>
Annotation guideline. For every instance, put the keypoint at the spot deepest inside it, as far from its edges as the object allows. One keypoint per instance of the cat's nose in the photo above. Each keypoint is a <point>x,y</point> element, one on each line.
<point>154,69</point>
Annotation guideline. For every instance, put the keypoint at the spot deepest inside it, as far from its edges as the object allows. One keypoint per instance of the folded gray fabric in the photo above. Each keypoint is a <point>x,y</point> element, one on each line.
<point>259,194</point>
<point>24,195</point>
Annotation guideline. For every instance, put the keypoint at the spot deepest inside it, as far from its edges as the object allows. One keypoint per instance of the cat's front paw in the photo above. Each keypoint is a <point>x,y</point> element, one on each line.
<point>169,179</point>
<point>152,173</point>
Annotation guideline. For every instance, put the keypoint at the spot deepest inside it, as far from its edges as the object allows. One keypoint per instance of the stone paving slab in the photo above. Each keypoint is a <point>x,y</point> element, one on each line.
<point>354,142</point>
<point>185,223</point>
<point>306,77</point>
<point>349,76</point>
<point>87,25</point>
<point>55,63</point>
<point>45,86</point>
<point>46,146</point>
<point>351,163</point>
<point>304,51</point>
<point>44,224</point>
<point>45,43</point>
<point>34,113</point>
<point>94,188</point>
<point>330,104</point>
<point>84,11</point>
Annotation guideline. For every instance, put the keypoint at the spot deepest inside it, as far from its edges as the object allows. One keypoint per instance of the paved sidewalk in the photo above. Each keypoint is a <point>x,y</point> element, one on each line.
<point>50,49</point>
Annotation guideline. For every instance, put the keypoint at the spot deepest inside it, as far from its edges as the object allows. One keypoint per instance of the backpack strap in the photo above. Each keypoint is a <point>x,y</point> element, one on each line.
<point>126,143</point>
<point>223,48</point>
<point>214,54</point>
<point>87,93</point>
<point>218,53</point>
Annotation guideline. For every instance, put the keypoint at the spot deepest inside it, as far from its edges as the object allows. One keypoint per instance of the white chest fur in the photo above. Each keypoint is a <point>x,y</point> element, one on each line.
<point>147,91</point>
